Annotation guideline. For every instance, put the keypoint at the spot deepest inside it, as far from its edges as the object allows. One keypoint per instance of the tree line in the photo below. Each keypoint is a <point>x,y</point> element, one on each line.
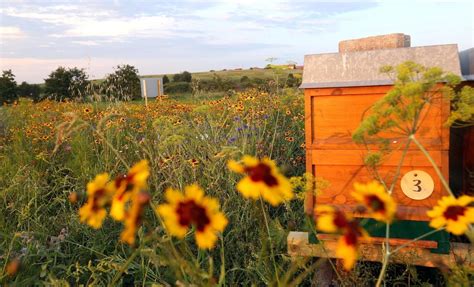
<point>122,85</point>
<point>73,84</point>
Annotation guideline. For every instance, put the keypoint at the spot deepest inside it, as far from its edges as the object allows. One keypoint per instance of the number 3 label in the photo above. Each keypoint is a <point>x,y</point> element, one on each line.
<point>417,184</point>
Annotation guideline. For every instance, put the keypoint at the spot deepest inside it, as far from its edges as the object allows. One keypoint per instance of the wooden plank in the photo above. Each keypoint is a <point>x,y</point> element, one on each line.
<point>461,253</point>
<point>379,241</point>
<point>356,157</point>
<point>342,168</point>
<point>335,117</point>
<point>348,91</point>
<point>404,212</point>
<point>309,196</point>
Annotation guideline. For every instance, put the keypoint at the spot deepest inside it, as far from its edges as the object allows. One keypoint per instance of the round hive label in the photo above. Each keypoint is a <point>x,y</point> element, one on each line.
<point>417,184</point>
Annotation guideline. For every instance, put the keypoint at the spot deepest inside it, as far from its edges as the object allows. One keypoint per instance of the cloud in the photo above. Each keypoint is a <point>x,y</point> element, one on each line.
<point>93,21</point>
<point>144,26</point>
<point>86,43</point>
<point>10,32</point>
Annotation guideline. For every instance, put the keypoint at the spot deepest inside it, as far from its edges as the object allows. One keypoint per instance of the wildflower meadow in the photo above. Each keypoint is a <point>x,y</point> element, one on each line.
<point>201,192</point>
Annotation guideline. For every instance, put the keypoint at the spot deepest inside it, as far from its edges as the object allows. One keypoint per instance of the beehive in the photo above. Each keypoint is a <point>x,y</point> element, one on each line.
<point>339,88</point>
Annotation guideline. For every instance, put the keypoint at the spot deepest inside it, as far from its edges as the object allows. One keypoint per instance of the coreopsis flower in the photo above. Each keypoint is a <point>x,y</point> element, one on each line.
<point>263,180</point>
<point>454,213</point>
<point>127,185</point>
<point>193,209</point>
<point>347,245</point>
<point>376,200</point>
<point>98,196</point>
<point>133,217</point>
<point>193,162</point>
<point>13,267</point>
<point>330,219</point>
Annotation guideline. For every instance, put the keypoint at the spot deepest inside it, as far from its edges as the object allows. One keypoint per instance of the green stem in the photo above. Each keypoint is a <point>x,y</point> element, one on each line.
<point>313,228</point>
<point>7,257</point>
<point>125,266</point>
<point>269,240</point>
<point>222,271</point>
<point>173,247</point>
<point>274,135</point>
<point>433,163</point>
<point>399,167</point>
<point>384,269</point>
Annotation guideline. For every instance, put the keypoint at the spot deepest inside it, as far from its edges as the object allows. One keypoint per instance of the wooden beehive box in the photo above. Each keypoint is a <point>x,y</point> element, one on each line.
<point>339,88</point>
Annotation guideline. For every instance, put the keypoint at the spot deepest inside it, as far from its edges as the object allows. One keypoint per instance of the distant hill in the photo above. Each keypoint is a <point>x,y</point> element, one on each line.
<point>236,74</point>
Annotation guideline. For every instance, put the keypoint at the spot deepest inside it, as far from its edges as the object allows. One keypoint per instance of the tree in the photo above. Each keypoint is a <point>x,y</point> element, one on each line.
<point>65,84</point>
<point>183,77</point>
<point>166,80</point>
<point>123,84</point>
<point>293,81</point>
<point>31,91</point>
<point>8,87</point>
<point>186,77</point>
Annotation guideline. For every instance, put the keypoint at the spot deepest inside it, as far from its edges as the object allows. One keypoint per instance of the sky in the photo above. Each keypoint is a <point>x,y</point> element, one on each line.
<point>172,36</point>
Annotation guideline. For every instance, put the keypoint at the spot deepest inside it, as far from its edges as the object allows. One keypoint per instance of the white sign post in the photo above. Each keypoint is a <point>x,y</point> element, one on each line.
<point>144,93</point>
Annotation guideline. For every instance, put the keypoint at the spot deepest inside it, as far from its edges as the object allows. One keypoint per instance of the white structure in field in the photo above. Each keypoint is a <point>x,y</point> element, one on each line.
<point>151,87</point>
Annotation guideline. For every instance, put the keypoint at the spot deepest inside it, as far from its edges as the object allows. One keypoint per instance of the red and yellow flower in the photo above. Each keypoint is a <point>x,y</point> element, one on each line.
<point>98,197</point>
<point>133,217</point>
<point>102,192</point>
<point>193,209</point>
<point>332,220</point>
<point>454,213</point>
<point>379,204</point>
<point>347,245</point>
<point>126,186</point>
<point>263,180</point>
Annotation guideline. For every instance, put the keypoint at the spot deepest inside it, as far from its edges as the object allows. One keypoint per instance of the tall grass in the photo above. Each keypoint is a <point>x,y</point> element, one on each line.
<point>49,151</point>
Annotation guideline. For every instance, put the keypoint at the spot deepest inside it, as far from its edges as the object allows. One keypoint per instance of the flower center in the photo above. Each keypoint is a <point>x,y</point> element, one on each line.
<point>375,203</point>
<point>350,238</point>
<point>190,212</point>
<point>262,172</point>
<point>126,179</point>
<point>453,212</point>
<point>340,220</point>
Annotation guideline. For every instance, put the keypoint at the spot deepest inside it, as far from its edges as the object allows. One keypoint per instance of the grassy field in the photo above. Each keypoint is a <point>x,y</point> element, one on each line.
<point>236,75</point>
<point>49,151</point>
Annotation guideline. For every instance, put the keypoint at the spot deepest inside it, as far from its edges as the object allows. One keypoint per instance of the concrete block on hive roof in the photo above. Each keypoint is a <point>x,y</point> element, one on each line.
<point>363,68</point>
<point>390,41</point>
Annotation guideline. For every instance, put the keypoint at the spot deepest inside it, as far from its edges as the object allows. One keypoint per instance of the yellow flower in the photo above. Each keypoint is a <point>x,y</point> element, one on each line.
<point>98,194</point>
<point>454,213</point>
<point>193,209</point>
<point>376,200</point>
<point>126,186</point>
<point>263,180</point>
<point>347,250</point>
<point>330,219</point>
<point>133,217</point>
<point>193,162</point>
